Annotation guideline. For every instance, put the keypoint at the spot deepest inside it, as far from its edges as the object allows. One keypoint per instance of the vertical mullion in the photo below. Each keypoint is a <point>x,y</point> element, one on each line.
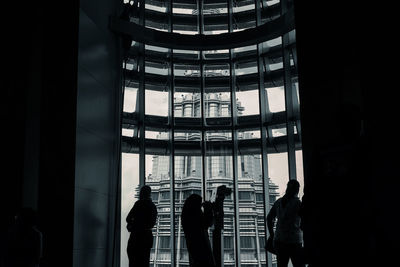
<point>288,88</point>
<point>232,85</point>
<point>264,113</point>
<point>203,135</point>
<point>141,92</point>
<point>171,136</point>
<point>202,100</point>
<point>296,104</point>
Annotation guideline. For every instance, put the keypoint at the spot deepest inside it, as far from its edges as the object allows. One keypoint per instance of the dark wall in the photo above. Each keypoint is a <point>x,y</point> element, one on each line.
<point>39,78</point>
<point>61,126</point>
<point>97,136</point>
<point>348,109</point>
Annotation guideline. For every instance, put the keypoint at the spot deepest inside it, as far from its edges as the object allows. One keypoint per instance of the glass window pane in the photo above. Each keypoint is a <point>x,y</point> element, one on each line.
<point>129,195</point>
<point>156,103</point>
<point>251,200</point>
<point>130,99</point>
<point>187,97</point>
<point>200,166</point>
<point>276,99</point>
<point>217,101</point>
<point>247,102</point>
<point>219,171</point>
<point>188,180</point>
<point>158,178</point>
<point>278,172</point>
<point>215,17</point>
<point>299,171</point>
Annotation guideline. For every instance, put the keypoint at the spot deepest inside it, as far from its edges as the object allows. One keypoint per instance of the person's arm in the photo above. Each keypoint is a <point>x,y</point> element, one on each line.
<point>302,214</point>
<point>153,215</point>
<point>131,214</point>
<point>271,219</point>
<point>208,214</point>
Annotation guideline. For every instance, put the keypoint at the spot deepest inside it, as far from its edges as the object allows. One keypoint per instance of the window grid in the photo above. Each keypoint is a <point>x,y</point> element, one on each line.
<point>174,166</point>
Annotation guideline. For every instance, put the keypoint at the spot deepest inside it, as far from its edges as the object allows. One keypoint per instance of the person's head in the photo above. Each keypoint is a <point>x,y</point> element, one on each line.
<point>193,201</point>
<point>292,189</point>
<point>191,209</point>
<point>145,192</point>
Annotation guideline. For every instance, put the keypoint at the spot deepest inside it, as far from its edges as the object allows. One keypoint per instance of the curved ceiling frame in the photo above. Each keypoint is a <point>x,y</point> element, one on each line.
<point>219,21</point>
<point>274,28</point>
<point>270,30</point>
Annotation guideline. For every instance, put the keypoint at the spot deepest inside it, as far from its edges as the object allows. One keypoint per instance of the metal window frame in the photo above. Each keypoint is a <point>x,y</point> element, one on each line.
<point>265,132</point>
<point>234,124</point>
<point>291,106</point>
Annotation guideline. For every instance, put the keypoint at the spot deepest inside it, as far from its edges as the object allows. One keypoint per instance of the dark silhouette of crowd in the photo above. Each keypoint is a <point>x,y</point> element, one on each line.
<point>198,216</point>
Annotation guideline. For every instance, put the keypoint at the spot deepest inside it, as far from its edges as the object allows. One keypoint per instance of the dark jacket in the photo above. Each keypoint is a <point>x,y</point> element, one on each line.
<point>142,216</point>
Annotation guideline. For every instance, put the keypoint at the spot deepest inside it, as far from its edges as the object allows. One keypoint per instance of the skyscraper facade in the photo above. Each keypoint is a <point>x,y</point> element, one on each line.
<point>218,171</point>
<point>210,99</point>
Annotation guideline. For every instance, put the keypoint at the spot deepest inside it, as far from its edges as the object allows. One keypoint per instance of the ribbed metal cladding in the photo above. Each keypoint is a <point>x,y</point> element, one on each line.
<point>202,113</point>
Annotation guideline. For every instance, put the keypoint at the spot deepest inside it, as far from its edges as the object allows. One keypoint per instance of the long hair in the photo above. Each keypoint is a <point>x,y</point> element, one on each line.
<point>191,211</point>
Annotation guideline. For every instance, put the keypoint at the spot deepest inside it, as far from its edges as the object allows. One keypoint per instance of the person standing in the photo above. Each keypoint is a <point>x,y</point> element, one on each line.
<point>195,224</point>
<point>140,220</point>
<point>287,237</point>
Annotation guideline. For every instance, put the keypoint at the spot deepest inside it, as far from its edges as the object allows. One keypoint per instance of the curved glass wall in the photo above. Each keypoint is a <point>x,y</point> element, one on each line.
<point>197,119</point>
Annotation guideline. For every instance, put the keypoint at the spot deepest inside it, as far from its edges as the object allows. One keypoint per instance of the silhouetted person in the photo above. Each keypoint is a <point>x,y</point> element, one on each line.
<point>218,208</point>
<point>141,219</point>
<point>288,236</point>
<point>195,225</point>
<point>24,241</point>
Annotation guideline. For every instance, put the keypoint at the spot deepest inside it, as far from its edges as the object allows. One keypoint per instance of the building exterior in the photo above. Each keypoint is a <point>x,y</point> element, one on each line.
<point>221,105</point>
<point>218,171</point>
